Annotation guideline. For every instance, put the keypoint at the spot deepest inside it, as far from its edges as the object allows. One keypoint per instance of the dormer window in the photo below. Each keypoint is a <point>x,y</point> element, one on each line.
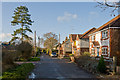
<point>104,34</point>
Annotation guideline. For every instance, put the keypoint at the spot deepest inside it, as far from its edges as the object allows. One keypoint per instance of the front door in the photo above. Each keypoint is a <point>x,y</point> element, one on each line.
<point>97,51</point>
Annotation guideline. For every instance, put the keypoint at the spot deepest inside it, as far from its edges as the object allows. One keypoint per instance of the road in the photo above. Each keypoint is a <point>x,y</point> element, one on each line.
<point>54,68</point>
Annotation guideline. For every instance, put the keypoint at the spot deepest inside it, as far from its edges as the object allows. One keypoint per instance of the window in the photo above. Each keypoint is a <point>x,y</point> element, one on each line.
<point>93,38</point>
<point>104,50</point>
<point>104,34</point>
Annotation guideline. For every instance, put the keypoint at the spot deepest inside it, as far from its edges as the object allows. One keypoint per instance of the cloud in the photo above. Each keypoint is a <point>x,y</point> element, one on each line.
<point>8,36</point>
<point>5,36</point>
<point>93,13</point>
<point>67,17</point>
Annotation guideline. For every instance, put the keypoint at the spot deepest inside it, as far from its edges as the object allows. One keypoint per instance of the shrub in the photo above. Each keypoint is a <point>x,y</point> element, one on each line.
<point>83,60</point>
<point>71,55</point>
<point>8,58</point>
<point>19,72</point>
<point>86,54</point>
<point>25,49</point>
<point>34,59</point>
<point>38,55</point>
<point>101,65</point>
<point>30,59</point>
<point>38,51</point>
<point>21,59</point>
<point>66,57</point>
<point>87,63</point>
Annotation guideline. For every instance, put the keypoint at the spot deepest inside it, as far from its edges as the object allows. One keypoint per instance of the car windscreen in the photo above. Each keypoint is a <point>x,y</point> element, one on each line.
<point>54,53</point>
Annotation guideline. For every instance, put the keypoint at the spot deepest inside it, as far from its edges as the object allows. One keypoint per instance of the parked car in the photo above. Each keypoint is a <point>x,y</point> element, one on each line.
<point>53,54</point>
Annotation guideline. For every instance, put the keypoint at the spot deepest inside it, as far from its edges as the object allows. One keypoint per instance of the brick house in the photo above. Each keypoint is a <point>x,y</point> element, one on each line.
<point>61,49</point>
<point>106,39</point>
<point>66,47</point>
<point>73,38</point>
<point>82,42</point>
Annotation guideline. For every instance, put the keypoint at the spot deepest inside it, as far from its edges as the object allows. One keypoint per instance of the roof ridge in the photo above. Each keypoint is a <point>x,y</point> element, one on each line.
<point>87,32</point>
<point>108,23</point>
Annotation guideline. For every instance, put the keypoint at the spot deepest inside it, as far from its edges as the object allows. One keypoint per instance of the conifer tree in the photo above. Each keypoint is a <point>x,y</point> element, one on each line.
<point>101,65</point>
<point>21,18</point>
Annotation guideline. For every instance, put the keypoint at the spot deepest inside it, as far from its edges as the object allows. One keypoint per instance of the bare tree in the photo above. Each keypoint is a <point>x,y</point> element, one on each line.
<point>115,6</point>
<point>51,40</point>
<point>41,41</point>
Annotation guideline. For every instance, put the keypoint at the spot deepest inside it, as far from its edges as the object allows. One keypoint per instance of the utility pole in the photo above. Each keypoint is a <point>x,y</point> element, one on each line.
<point>35,41</point>
<point>59,47</point>
<point>38,41</point>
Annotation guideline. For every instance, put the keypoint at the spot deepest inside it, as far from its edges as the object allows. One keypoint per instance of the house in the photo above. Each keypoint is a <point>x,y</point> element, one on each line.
<point>72,38</point>
<point>67,47</point>
<point>106,40</point>
<point>82,42</point>
<point>59,46</point>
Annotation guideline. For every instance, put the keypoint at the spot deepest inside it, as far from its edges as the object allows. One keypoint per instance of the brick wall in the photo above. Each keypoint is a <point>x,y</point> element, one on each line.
<point>115,44</point>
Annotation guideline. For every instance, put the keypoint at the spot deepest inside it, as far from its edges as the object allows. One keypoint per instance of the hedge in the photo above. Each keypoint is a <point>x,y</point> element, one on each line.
<point>20,72</point>
<point>34,59</point>
<point>30,59</point>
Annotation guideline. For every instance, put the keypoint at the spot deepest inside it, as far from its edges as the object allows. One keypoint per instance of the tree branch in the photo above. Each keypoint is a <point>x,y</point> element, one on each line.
<point>105,5</point>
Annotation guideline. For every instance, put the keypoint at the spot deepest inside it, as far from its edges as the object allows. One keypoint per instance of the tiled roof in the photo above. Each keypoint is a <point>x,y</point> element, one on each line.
<point>75,35</point>
<point>115,22</point>
<point>85,35</point>
<point>96,43</point>
<point>79,35</point>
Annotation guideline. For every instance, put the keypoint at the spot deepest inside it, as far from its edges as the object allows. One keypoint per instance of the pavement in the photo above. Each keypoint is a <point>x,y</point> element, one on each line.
<point>58,69</point>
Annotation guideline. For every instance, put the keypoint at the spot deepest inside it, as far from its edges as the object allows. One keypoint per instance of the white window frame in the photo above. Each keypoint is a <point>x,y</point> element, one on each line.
<point>106,51</point>
<point>93,53</point>
<point>93,37</point>
<point>104,34</point>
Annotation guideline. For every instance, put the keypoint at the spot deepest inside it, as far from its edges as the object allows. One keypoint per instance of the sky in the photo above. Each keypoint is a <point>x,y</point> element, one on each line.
<point>57,17</point>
